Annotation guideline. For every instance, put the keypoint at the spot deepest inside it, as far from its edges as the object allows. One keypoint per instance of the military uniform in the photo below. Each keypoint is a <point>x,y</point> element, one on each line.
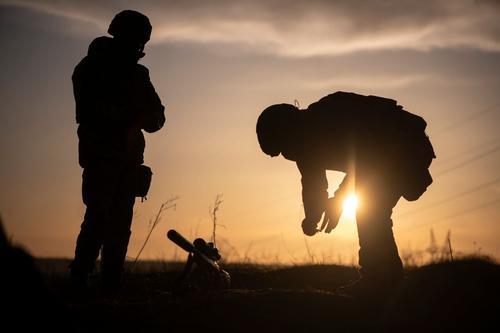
<point>115,101</point>
<point>382,149</point>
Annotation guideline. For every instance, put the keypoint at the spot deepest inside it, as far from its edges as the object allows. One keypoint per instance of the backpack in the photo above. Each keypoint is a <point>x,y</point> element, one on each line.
<point>418,154</point>
<point>401,134</point>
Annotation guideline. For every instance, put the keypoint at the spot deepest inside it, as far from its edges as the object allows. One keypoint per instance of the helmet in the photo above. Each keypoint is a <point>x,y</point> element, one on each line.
<point>272,124</point>
<point>132,26</point>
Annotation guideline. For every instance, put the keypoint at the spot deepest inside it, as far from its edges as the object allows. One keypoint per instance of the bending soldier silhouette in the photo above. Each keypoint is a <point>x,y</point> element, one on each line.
<point>115,101</point>
<point>385,154</point>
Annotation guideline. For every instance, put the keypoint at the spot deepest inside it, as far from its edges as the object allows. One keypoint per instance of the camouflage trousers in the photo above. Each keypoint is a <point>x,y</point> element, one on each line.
<point>106,225</point>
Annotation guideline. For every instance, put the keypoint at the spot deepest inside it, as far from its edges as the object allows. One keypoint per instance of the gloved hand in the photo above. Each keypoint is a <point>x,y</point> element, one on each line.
<point>332,214</point>
<point>309,227</point>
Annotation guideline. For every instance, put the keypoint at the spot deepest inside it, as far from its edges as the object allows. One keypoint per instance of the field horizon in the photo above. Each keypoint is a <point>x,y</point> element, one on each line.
<point>445,296</point>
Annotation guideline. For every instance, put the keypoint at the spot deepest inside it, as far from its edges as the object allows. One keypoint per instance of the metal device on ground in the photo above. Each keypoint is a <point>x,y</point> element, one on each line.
<point>201,273</point>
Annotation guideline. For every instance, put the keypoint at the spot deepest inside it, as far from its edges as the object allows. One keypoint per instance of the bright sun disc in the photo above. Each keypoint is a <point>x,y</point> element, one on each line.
<point>350,205</point>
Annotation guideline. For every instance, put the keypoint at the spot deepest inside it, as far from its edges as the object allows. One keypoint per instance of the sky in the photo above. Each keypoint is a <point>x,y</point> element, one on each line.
<point>216,65</point>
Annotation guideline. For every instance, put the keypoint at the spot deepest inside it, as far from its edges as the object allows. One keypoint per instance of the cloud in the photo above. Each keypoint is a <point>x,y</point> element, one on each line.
<point>304,28</point>
<point>386,81</point>
<point>364,82</point>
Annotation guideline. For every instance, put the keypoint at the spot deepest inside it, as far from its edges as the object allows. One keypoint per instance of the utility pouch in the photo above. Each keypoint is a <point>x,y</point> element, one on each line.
<point>141,180</point>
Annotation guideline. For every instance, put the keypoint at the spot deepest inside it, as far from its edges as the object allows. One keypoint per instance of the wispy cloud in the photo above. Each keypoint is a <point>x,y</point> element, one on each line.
<point>363,82</point>
<point>304,28</point>
<point>385,81</point>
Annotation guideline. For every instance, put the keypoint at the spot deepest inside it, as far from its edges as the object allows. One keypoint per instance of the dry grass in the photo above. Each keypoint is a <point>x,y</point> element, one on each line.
<point>170,203</point>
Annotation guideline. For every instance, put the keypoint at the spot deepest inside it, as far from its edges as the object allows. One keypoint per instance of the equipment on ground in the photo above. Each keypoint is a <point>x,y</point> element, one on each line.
<point>202,272</point>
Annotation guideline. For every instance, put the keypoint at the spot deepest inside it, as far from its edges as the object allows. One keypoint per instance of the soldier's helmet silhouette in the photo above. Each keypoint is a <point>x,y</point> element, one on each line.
<point>272,125</point>
<point>132,27</point>
<point>130,24</point>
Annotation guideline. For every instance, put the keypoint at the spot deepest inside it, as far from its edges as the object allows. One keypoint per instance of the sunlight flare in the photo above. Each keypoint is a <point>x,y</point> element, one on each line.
<point>350,206</point>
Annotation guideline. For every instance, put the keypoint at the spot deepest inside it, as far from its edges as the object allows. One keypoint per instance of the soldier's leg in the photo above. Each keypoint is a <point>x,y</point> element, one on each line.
<point>378,255</point>
<point>97,193</point>
<point>117,237</point>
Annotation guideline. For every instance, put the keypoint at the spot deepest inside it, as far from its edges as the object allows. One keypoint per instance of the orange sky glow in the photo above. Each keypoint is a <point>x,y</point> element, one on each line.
<point>216,66</point>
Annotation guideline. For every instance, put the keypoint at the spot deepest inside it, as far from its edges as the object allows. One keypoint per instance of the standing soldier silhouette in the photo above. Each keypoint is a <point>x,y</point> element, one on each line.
<point>385,154</point>
<point>115,101</point>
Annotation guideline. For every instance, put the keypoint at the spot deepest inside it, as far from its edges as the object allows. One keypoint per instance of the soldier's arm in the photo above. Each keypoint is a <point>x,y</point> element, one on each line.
<point>334,207</point>
<point>83,94</point>
<point>152,112</point>
<point>314,190</point>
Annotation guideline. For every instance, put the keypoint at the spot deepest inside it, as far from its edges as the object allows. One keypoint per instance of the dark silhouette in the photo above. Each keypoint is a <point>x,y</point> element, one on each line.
<point>26,302</point>
<point>385,154</point>
<point>115,101</point>
<point>202,272</point>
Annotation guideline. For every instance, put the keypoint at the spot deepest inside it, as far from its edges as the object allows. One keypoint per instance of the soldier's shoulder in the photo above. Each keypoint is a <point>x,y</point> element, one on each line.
<point>338,95</point>
<point>100,48</point>
<point>100,45</point>
<point>336,99</point>
<point>342,94</point>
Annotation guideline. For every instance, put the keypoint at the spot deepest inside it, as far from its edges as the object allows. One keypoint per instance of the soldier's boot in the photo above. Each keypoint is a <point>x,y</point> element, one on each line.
<point>378,288</point>
<point>86,253</point>
<point>111,282</point>
<point>79,281</point>
<point>380,274</point>
<point>113,260</point>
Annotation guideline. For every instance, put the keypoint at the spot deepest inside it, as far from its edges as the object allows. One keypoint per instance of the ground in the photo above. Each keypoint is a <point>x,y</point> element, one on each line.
<point>448,296</point>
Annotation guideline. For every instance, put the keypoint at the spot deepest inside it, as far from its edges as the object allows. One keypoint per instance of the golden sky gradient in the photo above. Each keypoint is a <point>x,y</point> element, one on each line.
<point>216,65</point>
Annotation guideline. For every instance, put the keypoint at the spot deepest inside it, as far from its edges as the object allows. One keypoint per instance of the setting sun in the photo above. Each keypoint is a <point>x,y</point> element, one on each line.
<point>350,205</point>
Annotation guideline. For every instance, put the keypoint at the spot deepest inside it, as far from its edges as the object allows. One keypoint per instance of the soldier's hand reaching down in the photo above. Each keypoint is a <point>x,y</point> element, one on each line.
<point>312,218</point>
<point>310,228</point>
<point>333,210</point>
